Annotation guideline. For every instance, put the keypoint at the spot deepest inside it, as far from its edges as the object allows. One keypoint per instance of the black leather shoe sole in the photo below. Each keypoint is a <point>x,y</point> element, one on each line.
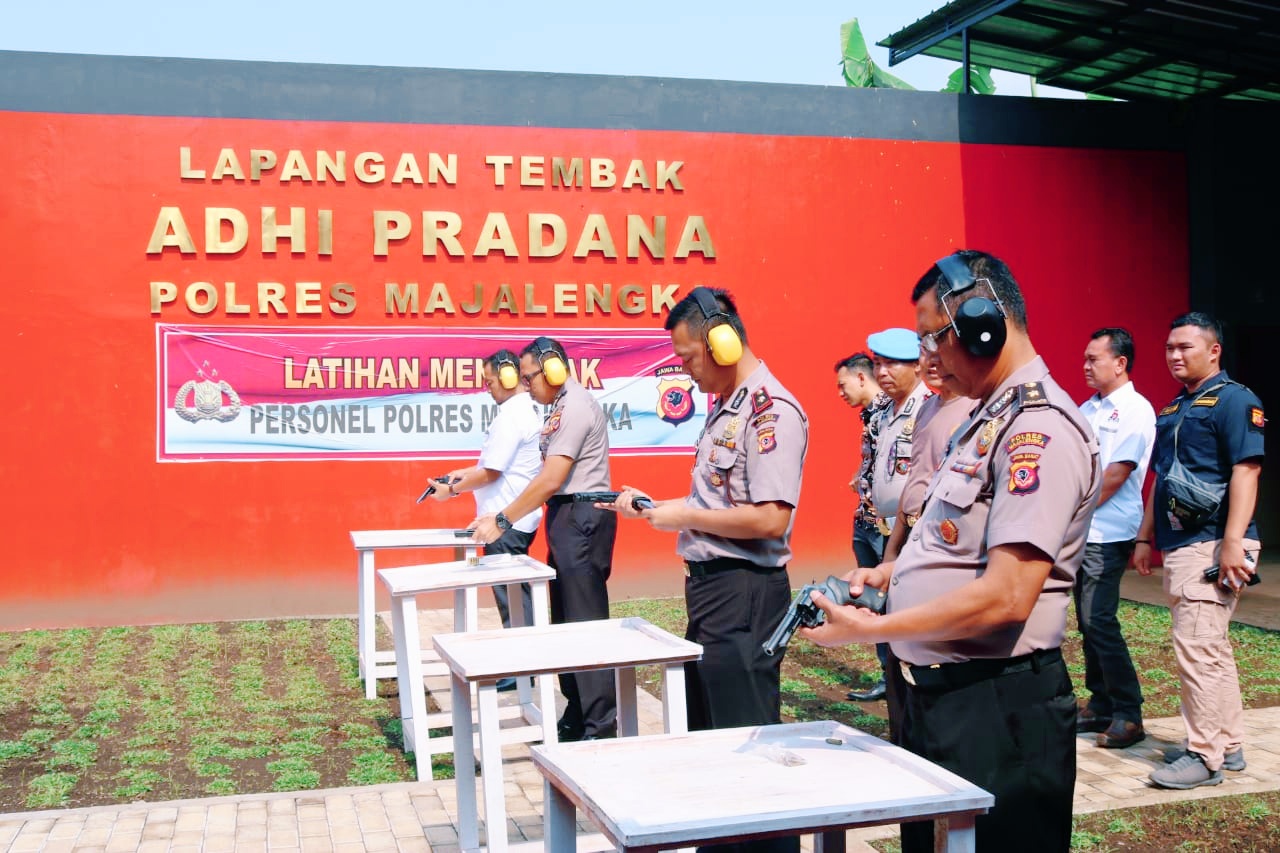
<point>568,735</point>
<point>1121,736</point>
<point>1091,724</point>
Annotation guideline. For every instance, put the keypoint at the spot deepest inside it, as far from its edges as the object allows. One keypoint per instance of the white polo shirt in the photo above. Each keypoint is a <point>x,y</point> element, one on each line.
<point>511,446</point>
<point>1125,425</point>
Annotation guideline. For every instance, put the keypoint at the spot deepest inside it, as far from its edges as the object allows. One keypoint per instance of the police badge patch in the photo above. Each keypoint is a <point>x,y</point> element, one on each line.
<point>1024,473</point>
<point>675,400</point>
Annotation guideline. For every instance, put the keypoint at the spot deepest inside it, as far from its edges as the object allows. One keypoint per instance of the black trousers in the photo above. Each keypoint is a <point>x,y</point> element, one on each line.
<point>868,548</point>
<point>1109,675</point>
<point>512,542</point>
<point>1013,735</point>
<point>732,613</point>
<point>580,549</point>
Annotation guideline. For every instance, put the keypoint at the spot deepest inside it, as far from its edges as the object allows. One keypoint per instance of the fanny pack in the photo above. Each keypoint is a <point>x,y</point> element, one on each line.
<point>1192,500</point>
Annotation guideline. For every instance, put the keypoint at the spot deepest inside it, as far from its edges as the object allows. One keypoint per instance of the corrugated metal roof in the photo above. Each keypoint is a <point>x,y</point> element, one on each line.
<point>1170,49</point>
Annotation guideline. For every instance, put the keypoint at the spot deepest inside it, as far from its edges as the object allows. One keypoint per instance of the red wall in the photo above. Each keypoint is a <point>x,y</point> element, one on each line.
<point>820,240</point>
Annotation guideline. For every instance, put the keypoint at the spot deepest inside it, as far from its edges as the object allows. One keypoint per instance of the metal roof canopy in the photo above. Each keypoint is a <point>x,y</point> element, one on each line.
<point>1136,51</point>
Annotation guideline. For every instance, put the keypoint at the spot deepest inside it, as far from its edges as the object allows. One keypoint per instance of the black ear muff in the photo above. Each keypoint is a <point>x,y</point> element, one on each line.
<point>722,340</point>
<point>508,374</point>
<point>978,321</point>
<point>980,326</point>
<point>554,370</point>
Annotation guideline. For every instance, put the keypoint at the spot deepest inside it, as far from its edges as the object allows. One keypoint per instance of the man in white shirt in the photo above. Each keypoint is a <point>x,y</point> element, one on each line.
<point>1125,425</point>
<point>509,460</point>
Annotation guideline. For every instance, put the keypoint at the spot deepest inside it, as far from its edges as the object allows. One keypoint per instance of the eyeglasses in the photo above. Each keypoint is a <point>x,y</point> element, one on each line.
<point>929,340</point>
<point>527,378</point>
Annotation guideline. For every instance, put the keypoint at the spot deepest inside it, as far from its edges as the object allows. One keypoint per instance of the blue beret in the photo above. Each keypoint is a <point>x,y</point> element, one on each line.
<point>898,344</point>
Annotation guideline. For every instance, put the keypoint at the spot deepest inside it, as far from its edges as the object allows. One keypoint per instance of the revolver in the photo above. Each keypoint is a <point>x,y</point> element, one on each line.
<point>804,612</point>
<point>610,497</point>
<point>442,481</point>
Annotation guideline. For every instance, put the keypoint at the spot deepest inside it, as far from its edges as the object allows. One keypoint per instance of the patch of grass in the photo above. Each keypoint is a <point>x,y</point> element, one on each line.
<point>293,774</point>
<point>51,790</point>
<point>823,675</point>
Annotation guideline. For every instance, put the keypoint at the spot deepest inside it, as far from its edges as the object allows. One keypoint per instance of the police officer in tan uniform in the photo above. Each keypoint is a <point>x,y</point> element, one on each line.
<point>580,536</point>
<point>735,524</point>
<point>978,595</point>
<point>896,362</point>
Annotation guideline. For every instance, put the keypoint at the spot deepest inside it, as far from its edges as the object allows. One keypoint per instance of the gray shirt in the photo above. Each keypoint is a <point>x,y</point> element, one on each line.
<point>577,428</point>
<point>751,451</point>
<point>1019,471</point>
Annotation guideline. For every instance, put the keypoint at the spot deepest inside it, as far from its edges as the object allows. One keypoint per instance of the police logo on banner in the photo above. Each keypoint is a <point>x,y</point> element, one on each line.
<point>675,395</point>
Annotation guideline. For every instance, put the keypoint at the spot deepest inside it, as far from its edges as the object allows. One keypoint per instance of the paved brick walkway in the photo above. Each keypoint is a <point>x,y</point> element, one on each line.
<point>409,816</point>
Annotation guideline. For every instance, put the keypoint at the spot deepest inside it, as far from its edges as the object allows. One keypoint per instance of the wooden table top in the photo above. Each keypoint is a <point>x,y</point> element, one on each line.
<point>489,570</point>
<point>569,647</point>
<point>669,790</point>
<point>417,538</point>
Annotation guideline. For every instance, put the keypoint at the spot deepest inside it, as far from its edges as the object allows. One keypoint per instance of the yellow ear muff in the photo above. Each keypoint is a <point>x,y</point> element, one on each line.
<point>725,345</point>
<point>508,376</point>
<point>554,370</point>
<point>722,340</point>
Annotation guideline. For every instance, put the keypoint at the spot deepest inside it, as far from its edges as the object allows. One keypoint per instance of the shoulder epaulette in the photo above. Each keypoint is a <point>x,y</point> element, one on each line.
<point>1031,394</point>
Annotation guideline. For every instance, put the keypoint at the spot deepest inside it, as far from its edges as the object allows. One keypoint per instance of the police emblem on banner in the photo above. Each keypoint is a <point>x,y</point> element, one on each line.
<point>675,397</point>
<point>206,392</point>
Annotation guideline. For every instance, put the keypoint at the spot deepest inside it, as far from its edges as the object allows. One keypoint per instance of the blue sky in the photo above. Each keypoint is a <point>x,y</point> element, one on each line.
<point>751,40</point>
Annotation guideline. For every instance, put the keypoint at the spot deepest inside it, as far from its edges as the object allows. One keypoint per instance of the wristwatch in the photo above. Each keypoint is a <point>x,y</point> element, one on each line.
<point>502,521</point>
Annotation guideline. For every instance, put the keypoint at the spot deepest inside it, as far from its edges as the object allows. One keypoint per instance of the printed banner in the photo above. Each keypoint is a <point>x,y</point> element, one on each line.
<point>269,393</point>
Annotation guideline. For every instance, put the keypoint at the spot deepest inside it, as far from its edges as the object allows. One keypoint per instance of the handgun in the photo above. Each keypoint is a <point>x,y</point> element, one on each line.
<point>804,612</point>
<point>609,497</point>
<point>435,481</point>
<point>1211,575</point>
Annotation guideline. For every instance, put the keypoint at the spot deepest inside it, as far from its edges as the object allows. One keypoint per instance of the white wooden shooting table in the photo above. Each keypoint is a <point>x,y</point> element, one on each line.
<point>483,657</point>
<point>462,578</point>
<point>373,663</point>
<point>660,792</point>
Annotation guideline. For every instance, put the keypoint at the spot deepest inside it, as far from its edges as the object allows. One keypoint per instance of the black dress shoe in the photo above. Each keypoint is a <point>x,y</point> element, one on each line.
<point>506,685</point>
<point>1120,734</point>
<point>568,734</point>
<point>871,694</point>
<point>1088,721</point>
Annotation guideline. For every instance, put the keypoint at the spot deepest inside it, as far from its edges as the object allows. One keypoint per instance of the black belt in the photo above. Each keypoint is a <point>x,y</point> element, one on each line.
<point>700,568</point>
<point>950,676</point>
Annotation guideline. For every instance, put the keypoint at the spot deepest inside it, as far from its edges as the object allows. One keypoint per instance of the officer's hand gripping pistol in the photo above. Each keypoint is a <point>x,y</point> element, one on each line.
<point>804,613</point>
<point>611,497</point>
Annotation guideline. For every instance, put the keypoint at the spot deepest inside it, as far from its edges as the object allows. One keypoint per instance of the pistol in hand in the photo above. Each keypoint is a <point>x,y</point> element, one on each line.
<point>611,497</point>
<point>431,488</point>
<point>804,613</point>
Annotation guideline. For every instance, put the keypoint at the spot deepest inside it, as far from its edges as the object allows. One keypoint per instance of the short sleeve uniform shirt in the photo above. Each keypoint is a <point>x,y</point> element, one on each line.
<point>511,448</point>
<point>577,428</point>
<point>1018,471</point>
<point>1125,425</point>
<point>751,451</point>
<point>1221,427</point>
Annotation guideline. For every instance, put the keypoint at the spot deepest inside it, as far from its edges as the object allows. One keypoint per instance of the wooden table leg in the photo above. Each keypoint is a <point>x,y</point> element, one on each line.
<point>961,837</point>
<point>495,799</point>
<point>829,842</point>
<point>675,714</point>
<point>558,824</point>
<point>413,693</point>
<point>464,765</point>
<point>546,687</point>
<point>366,617</point>
<point>624,679</point>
